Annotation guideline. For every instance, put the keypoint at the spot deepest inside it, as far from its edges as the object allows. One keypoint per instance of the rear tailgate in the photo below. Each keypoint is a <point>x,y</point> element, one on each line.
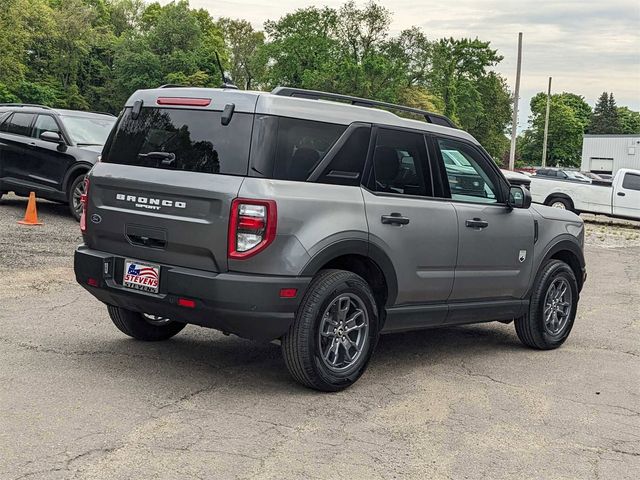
<point>163,216</point>
<point>169,173</point>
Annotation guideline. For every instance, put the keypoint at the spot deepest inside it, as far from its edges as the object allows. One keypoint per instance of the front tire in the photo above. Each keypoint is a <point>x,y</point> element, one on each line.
<point>552,309</point>
<point>141,326</point>
<point>334,334</point>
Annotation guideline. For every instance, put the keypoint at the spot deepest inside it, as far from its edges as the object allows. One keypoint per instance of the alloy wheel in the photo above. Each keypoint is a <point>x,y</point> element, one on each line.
<point>557,306</point>
<point>343,336</point>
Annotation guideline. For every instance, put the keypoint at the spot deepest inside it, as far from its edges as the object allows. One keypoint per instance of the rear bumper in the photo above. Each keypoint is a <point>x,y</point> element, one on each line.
<point>246,305</point>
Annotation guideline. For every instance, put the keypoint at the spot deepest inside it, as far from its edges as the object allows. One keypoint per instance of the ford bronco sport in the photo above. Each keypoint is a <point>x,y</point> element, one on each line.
<point>317,219</point>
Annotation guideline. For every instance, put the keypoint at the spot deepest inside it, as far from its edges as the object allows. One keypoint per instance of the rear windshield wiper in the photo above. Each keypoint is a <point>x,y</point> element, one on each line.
<point>166,159</point>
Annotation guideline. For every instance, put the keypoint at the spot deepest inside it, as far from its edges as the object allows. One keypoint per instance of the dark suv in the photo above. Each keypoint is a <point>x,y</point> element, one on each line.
<point>49,151</point>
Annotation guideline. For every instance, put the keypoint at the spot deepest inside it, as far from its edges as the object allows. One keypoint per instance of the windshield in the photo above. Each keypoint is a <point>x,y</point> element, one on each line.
<point>87,130</point>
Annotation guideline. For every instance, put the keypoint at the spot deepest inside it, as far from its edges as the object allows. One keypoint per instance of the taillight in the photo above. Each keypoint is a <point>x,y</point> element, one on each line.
<point>252,226</point>
<point>83,200</point>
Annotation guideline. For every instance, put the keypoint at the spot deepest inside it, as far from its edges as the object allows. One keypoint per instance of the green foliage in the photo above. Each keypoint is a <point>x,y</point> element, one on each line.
<point>6,96</point>
<point>605,116</point>
<point>568,117</point>
<point>629,121</point>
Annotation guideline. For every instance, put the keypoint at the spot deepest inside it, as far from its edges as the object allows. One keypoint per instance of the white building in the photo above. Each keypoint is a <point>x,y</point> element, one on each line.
<point>609,153</point>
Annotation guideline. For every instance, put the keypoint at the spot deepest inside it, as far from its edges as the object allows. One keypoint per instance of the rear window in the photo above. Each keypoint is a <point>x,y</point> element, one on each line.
<point>301,145</point>
<point>189,140</point>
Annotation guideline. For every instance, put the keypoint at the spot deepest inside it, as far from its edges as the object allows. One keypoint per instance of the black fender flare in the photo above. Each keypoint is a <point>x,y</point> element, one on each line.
<point>562,244</point>
<point>359,247</point>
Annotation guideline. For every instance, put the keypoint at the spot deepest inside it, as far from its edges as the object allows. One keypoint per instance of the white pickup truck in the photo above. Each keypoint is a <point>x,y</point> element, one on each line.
<point>620,198</point>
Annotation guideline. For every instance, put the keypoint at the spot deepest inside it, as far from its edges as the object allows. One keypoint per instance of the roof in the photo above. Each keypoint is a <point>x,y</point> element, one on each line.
<point>32,108</point>
<point>266,103</point>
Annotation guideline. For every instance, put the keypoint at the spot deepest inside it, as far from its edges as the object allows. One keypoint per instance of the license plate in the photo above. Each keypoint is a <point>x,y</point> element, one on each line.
<point>141,276</point>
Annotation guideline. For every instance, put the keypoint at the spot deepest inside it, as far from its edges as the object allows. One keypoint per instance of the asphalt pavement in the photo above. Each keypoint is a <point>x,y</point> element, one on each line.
<point>79,400</point>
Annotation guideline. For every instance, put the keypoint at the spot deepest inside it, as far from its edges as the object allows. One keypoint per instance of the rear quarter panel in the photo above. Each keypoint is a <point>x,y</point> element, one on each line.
<point>311,217</point>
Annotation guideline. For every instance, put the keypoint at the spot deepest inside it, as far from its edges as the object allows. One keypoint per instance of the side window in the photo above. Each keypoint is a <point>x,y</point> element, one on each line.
<point>44,123</point>
<point>301,145</point>
<point>4,125</point>
<point>347,165</point>
<point>20,124</point>
<point>631,181</point>
<point>467,173</point>
<point>400,164</point>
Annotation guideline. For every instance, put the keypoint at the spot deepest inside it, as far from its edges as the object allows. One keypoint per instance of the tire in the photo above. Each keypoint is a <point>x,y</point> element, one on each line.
<point>73,196</point>
<point>562,203</point>
<point>536,331</point>
<point>317,330</point>
<point>142,327</point>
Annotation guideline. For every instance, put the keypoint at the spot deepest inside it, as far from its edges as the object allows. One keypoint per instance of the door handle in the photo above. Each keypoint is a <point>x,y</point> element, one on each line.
<point>476,223</point>
<point>394,219</point>
<point>621,194</point>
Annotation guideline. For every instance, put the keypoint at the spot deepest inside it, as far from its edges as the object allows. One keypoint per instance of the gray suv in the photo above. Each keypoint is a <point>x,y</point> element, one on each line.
<point>318,220</point>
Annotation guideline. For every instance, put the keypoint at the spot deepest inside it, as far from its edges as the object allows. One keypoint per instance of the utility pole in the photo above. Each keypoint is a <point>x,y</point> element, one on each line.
<point>546,126</point>
<point>516,99</point>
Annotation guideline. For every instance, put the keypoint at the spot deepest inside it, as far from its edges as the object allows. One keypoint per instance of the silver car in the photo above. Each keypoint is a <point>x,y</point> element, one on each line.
<point>319,220</point>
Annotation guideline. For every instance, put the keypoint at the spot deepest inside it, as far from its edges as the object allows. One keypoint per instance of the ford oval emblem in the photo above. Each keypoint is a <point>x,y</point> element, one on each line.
<point>95,218</point>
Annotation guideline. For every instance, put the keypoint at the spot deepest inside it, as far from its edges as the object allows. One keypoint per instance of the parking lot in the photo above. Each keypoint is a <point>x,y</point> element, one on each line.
<point>79,400</point>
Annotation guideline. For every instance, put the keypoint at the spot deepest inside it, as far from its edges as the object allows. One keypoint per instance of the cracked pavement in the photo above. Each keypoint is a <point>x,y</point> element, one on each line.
<point>79,400</point>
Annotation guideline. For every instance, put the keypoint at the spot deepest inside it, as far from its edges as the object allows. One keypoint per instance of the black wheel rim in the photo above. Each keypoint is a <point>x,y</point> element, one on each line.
<point>343,336</point>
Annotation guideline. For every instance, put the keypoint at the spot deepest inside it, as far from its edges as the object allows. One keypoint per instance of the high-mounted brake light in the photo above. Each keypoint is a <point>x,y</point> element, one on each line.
<point>252,226</point>
<point>83,201</point>
<point>184,101</point>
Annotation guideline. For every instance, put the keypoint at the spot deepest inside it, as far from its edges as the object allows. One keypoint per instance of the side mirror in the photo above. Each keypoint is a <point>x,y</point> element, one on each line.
<point>519,197</point>
<point>53,137</point>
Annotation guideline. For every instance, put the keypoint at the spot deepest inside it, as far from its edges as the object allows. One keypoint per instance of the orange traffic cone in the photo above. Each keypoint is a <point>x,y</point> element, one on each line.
<point>31,215</point>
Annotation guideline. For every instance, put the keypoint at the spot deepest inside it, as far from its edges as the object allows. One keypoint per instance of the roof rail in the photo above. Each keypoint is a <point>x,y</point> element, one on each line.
<point>430,117</point>
<point>172,85</point>
<point>25,105</point>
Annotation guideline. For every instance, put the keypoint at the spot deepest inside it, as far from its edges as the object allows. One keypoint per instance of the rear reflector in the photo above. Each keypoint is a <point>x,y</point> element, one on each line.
<point>185,302</point>
<point>92,282</point>
<point>189,102</point>
<point>288,292</point>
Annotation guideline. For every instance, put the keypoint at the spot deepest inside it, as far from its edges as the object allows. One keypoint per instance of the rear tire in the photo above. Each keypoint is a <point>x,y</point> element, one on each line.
<point>552,309</point>
<point>73,196</point>
<point>561,203</point>
<point>138,326</point>
<point>335,332</point>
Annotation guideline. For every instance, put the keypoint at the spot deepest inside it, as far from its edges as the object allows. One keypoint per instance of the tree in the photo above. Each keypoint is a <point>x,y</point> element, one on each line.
<point>605,116</point>
<point>629,121</point>
<point>247,62</point>
<point>455,65</point>
<point>301,50</point>
<point>567,116</point>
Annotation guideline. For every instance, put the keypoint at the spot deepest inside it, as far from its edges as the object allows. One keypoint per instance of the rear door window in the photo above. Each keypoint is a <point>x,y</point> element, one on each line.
<point>400,164</point>
<point>19,124</point>
<point>177,139</point>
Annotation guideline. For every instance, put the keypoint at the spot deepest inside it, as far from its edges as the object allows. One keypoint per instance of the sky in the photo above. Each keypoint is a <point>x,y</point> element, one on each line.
<point>587,46</point>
